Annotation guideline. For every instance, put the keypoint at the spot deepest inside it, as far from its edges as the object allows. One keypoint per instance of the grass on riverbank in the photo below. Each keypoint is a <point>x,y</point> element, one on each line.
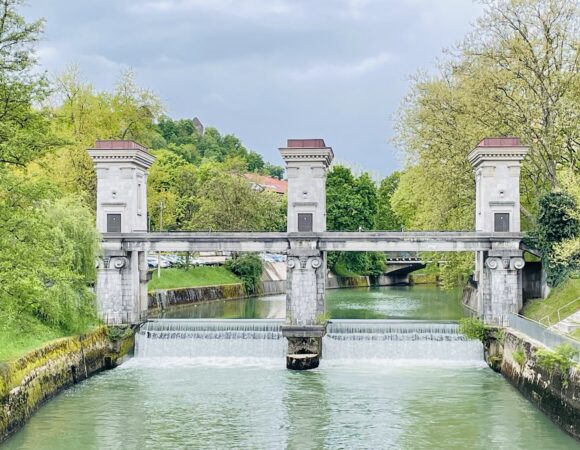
<point>558,298</point>
<point>192,277</point>
<point>15,342</point>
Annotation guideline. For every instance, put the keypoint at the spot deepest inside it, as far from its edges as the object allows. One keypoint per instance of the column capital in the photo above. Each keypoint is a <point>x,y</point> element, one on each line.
<point>505,262</point>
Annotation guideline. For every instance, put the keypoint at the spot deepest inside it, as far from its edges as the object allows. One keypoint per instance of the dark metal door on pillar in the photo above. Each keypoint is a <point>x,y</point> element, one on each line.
<point>502,222</point>
<point>304,222</point>
<point>113,223</point>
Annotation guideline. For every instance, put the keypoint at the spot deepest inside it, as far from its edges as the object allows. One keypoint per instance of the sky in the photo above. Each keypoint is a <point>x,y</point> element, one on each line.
<point>264,70</point>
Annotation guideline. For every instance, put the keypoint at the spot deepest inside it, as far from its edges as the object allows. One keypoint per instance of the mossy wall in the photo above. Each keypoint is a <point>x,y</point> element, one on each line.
<point>29,381</point>
<point>556,394</point>
<point>162,299</point>
<point>336,282</point>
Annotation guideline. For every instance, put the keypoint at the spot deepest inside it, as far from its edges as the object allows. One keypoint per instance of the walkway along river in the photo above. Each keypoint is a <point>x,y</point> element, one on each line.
<point>416,385</point>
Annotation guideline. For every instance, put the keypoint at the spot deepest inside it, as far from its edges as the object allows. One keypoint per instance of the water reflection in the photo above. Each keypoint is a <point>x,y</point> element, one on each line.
<point>396,302</point>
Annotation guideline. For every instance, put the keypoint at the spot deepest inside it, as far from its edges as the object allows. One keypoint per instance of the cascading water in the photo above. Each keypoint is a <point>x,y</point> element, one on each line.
<point>345,340</point>
<point>399,340</point>
<point>208,338</point>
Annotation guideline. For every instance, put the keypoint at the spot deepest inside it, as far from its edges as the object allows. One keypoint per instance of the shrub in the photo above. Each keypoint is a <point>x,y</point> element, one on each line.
<point>519,356</point>
<point>249,268</point>
<point>472,328</point>
<point>562,358</point>
<point>556,223</point>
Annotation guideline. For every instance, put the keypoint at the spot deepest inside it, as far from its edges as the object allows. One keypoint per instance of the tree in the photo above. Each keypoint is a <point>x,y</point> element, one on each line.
<point>557,223</point>
<point>516,74</point>
<point>48,241</point>
<point>351,205</point>
<point>80,116</point>
<point>226,202</point>
<point>386,219</point>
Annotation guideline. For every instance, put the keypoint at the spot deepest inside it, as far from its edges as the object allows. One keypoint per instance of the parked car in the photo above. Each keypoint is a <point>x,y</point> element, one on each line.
<point>152,262</point>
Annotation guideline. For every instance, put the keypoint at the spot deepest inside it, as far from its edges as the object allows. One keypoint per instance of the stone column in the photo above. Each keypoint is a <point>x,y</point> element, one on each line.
<point>121,288</point>
<point>307,161</point>
<point>496,165</point>
<point>501,288</point>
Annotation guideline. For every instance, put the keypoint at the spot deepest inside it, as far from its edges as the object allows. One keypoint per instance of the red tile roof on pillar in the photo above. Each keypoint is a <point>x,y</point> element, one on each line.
<point>500,142</point>
<point>118,144</point>
<point>306,143</point>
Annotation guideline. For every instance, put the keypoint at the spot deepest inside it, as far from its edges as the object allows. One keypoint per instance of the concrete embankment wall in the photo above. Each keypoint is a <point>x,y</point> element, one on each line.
<point>164,298</point>
<point>29,381</point>
<point>555,393</point>
<point>335,282</point>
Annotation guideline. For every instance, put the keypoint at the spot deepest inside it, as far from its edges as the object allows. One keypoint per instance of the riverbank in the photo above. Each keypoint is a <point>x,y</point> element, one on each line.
<point>29,381</point>
<point>553,389</point>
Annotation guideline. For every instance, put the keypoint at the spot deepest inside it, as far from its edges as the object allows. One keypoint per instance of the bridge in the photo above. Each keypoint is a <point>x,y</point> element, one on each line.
<point>121,288</point>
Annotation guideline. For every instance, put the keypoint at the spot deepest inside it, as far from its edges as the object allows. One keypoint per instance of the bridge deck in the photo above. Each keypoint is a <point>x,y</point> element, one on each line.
<point>413,241</point>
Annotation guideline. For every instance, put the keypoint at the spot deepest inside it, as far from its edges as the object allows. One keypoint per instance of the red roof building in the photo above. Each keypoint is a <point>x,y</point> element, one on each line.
<point>263,182</point>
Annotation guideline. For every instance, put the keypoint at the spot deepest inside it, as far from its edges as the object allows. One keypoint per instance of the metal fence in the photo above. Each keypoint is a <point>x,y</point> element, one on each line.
<point>540,333</point>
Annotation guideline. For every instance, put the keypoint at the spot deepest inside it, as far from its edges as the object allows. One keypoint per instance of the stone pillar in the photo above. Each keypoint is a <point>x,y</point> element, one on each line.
<point>121,168</point>
<point>307,161</point>
<point>496,164</point>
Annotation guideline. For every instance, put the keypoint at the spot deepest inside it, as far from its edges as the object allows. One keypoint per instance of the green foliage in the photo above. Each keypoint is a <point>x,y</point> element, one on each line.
<point>494,83</point>
<point>386,219</point>
<point>183,139</point>
<point>519,356</point>
<point>472,328</point>
<point>48,240</point>
<point>557,222</point>
<point>561,359</point>
<point>351,205</point>
<point>249,268</point>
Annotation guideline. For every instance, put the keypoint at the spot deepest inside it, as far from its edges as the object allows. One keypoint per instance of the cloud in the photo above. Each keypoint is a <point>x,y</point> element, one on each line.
<point>249,9</point>
<point>341,71</point>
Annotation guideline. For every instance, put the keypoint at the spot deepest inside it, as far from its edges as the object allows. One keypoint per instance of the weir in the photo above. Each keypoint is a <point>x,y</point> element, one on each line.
<point>121,286</point>
<point>344,340</point>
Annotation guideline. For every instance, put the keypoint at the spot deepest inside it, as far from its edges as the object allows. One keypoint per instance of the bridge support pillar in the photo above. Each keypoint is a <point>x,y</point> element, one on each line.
<point>121,288</point>
<point>500,288</point>
<point>305,305</point>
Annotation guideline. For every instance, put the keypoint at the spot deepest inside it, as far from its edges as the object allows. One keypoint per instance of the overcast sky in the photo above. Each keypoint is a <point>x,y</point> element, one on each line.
<point>264,70</point>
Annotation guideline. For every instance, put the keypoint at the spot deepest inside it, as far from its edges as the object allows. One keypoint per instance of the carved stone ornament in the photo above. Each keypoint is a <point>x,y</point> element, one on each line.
<point>291,263</point>
<point>316,263</point>
<point>106,262</point>
<point>492,263</point>
<point>119,263</point>
<point>512,263</point>
<point>303,261</point>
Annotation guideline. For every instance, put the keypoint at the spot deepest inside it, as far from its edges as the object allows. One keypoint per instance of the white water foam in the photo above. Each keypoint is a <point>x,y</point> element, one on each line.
<point>225,343</point>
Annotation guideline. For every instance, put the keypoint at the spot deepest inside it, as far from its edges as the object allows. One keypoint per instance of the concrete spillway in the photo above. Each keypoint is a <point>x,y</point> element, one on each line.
<point>398,340</point>
<point>345,340</point>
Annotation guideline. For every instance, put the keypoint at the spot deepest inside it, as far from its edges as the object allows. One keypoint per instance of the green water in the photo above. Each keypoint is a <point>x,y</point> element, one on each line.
<point>219,403</point>
<point>396,302</point>
<point>160,404</point>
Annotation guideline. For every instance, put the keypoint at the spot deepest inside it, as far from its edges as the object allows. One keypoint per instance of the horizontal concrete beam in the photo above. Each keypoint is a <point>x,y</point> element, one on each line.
<point>328,241</point>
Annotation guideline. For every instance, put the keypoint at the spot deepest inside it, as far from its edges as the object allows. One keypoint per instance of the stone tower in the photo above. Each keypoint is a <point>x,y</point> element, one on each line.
<point>121,168</point>
<point>496,164</point>
<point>307,161</point>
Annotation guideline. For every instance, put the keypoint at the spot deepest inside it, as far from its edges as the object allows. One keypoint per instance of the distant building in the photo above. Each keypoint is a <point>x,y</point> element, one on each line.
<point>198,126</point>
<point>263,183</point>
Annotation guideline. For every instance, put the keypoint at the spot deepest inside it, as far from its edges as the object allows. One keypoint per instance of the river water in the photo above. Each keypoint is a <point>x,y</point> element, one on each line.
<point>178,395</point>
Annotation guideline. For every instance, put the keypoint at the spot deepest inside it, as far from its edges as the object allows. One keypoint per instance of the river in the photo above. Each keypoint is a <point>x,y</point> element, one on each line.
<point>447,401</point>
